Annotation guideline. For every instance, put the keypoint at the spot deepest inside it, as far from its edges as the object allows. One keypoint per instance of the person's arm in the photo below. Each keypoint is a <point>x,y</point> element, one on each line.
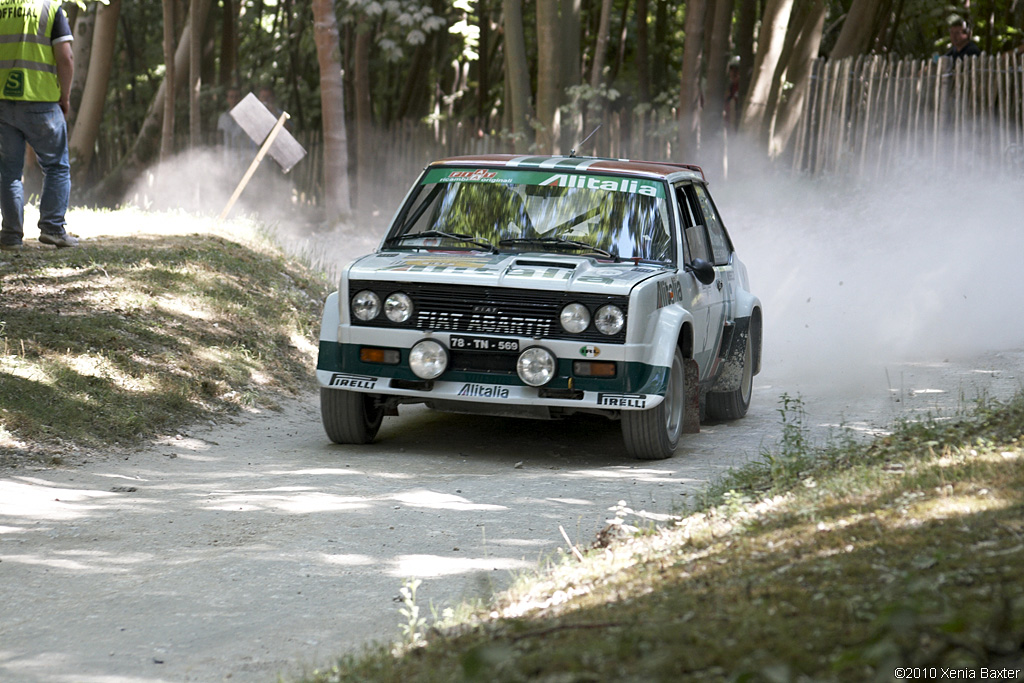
<point>65,72</point>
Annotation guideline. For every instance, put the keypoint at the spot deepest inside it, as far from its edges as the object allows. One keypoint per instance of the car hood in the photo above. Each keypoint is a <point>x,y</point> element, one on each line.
<point>550,272</point>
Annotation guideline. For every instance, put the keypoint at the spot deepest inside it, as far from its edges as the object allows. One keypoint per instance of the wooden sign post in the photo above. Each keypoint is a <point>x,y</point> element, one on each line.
<point>260,125</point>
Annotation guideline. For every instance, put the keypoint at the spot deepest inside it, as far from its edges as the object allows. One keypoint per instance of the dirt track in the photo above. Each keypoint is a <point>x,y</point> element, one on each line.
<point>242,551</point>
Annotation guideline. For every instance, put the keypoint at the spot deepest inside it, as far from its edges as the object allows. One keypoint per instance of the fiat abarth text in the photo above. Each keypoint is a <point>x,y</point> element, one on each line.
<point>542,287</point>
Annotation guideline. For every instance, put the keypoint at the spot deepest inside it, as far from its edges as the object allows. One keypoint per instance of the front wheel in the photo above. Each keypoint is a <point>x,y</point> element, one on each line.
<point>349,416</point>
<point>653,434</point>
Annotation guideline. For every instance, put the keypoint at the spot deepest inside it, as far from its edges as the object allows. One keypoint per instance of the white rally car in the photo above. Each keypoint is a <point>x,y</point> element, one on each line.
<point>542,287</point>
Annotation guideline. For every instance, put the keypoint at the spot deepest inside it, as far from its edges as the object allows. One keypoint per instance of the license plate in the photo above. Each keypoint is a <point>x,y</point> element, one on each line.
<point>464,343</point>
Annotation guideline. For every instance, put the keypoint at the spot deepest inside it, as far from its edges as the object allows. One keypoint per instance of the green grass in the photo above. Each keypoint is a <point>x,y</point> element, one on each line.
<point>833,565</point>
<point>128,337</point>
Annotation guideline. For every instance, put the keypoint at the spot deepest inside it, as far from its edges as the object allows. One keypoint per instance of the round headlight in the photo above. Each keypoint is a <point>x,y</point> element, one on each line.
<point>398,307</point>
<point>428,359</point>
<point>609,319</point>
<point>366,305</point>
<point>575,318</point>
<point>536,366</point>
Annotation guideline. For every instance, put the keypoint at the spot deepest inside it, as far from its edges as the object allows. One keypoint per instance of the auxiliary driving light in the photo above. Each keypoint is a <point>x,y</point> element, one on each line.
<point>536,366</point>
<point>366,305</point>
<point>428,359</point>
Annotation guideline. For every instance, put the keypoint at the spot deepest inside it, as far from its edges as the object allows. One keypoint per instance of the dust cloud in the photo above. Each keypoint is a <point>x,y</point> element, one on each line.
<point>859,274</point>
<point>856,274</point>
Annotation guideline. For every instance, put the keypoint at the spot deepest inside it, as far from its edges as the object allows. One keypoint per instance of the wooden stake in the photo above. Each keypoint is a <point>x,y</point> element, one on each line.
<point>254,165</point>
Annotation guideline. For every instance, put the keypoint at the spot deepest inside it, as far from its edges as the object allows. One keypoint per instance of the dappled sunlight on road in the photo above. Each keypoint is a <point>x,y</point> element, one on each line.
<point>299,501</point>
<point>441,501</point>
<point>24,497</point>
<point>432,566</point>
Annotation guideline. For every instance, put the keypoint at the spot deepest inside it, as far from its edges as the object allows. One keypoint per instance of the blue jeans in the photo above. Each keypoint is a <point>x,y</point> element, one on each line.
<point>42,125</point>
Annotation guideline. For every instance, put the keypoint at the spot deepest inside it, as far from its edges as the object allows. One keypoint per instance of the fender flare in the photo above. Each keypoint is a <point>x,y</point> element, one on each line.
<point>669,333</point>
<point>330,319</point>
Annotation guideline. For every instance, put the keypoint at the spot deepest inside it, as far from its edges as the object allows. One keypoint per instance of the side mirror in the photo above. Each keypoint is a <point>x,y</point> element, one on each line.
<point>704,271</point>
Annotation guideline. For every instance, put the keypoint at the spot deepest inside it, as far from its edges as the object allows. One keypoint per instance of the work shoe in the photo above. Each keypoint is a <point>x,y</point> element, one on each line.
<point>60,241</point>
<point>14,246</point>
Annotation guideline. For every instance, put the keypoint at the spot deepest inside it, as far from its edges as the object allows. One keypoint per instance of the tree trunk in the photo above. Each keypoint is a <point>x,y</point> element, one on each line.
<point>147,143</point>
<point>568,46</point>
<point>643,58</point>
<point>483,63</point>
<point>229,45</point>
<point>364,115</point>
<point>517,74</point>
<point>689,83</point>
<point>859,28</point>
<point>84,29</point>
<point>745,45</point>
<point>548,73</point>
<point>332,101</point>
<point>713,122</point>
<point>798,71</point>
<point>195,63</point>
<point>659,69</point>
<point>569,40</point>
<point>771,39</point>
<point>90,113</point>
<point>167,132</point>
<point>601,49</point>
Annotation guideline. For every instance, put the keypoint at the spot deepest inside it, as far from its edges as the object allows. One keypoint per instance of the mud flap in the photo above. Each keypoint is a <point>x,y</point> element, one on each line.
<point>691,412</point>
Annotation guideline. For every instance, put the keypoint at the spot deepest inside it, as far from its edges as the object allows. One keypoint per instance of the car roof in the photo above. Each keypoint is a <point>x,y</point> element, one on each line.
<point>650,169</point>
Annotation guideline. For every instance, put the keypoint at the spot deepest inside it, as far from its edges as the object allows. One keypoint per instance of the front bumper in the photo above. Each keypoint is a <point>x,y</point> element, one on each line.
<point>636,385</point>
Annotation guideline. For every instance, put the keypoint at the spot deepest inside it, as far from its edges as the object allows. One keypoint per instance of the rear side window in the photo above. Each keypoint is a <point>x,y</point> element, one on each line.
<point>721,248</point>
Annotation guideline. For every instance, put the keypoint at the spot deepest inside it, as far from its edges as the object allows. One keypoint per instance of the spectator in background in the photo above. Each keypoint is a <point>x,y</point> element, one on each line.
<point>269,100</point>
<point>960,37</point>
<point>36,68</point>
<point>732,96</point>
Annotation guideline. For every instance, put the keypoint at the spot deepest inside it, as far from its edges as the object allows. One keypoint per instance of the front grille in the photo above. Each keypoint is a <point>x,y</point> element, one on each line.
<point>490,310</point>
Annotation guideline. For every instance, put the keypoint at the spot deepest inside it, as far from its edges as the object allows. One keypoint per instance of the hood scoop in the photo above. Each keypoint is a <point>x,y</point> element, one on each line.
<point>533,263</point>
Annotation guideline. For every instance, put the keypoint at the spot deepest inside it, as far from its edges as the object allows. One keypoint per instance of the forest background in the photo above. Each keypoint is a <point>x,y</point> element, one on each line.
<point>365,80</point>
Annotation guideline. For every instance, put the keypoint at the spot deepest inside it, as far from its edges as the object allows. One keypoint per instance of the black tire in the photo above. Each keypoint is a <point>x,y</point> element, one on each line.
<point>349,416</point>
<point>653,434</point>
<point>732,405</point>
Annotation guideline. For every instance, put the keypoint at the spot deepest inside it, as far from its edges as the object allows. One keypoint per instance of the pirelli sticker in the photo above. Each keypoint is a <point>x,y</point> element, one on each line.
<point>353,381</point>
<point>635,401</point>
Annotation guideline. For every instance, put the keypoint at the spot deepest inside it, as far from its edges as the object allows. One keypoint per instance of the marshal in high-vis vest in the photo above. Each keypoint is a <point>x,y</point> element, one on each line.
<point>28,65</point>
<point>36,67</point>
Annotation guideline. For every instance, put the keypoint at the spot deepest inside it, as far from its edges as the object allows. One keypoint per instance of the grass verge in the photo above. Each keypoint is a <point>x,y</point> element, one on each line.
<point>841,565</point>
<point>128,337</point>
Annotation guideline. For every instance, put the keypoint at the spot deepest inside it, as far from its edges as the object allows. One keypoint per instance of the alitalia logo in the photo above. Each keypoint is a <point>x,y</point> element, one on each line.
<point>479,174</point>
<point>601,183</point>
<point>483,391</point>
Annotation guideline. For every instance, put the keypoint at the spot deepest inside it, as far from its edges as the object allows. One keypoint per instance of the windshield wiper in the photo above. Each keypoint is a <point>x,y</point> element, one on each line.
<point>558,242</point>
<point>483,244</point>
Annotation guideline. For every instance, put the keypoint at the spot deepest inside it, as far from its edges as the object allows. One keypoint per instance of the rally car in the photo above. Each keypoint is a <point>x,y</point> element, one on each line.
<point>544,286</point>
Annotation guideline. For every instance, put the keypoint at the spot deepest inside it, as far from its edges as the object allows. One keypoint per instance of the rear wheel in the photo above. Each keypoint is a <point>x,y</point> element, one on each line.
<point>653,434</point>
<point>349,416</point>
<point>732,405</point>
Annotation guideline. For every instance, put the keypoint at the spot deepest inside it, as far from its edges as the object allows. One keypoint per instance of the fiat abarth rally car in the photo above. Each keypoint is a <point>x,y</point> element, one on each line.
<point>542,287</point>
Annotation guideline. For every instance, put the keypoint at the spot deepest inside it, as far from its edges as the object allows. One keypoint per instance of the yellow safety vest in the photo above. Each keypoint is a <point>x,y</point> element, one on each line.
<point>28,65</point>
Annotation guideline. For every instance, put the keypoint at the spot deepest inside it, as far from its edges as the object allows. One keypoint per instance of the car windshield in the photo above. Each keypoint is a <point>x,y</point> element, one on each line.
<point>610,217</point>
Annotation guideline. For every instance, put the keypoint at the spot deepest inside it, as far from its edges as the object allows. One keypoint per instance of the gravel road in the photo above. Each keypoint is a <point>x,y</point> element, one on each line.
<point>240,552</point>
